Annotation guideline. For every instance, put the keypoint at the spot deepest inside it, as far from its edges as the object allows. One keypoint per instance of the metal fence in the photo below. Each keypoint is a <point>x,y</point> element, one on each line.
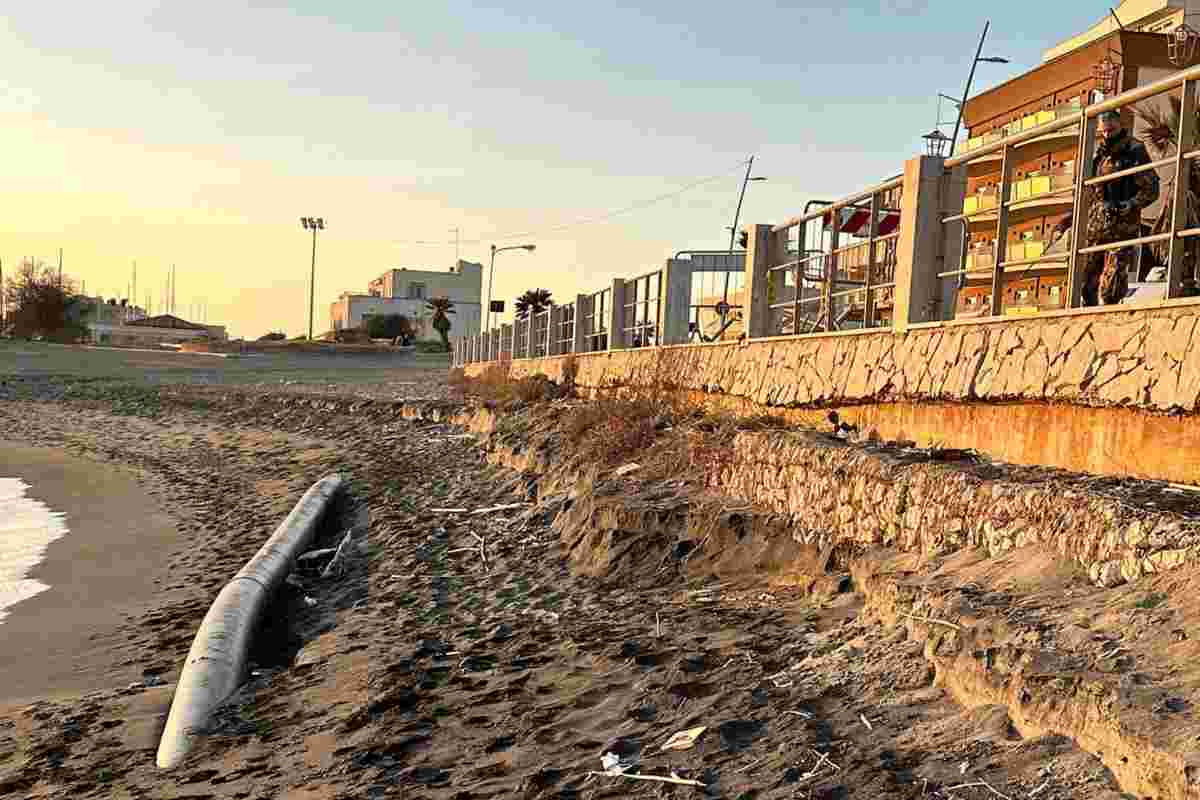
<point>595,329</point>
<point>564,333</point>
<point>834,268</point>
<point>999,271</point>
<point>838,265</point>
<point>642,317</point>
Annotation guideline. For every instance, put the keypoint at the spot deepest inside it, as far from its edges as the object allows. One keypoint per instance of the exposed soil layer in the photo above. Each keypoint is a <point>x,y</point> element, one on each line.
<point>500,654</point>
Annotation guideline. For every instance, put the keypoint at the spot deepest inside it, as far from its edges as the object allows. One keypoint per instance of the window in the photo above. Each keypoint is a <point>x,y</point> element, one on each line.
<point>416,291</point>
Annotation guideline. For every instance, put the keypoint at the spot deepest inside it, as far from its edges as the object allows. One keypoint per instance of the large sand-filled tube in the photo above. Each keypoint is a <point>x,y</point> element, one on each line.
<point>216,662</point>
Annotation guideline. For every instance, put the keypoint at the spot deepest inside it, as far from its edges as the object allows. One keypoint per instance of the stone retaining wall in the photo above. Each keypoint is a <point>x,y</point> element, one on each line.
<point>842,494</point>
<point>1095,390</point>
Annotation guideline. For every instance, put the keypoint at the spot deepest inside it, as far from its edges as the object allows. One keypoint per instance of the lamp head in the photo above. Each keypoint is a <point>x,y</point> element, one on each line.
<point>758,179</point>
<point>529,247</point>
<point>995,60</point>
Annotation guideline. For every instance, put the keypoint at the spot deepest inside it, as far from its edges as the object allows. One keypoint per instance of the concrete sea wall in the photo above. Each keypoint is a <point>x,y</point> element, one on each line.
<point>1094,390</point>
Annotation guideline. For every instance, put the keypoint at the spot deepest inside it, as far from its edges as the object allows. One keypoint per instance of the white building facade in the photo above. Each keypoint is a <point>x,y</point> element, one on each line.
<point>406,291</point>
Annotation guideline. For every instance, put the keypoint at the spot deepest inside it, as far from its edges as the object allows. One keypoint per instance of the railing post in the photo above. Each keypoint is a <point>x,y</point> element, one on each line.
<point>758,265</point>
<point>869,278</point>
<point>917,246</point>
<point>553,323</point>
<point>1083,197</point>
<point>583,309</point>
<point>831,267</point>
<point>677,286</point>
<point>616,315</point>
<point>506,341</point>
<point>801,254</point>
<point>516,331</point>
<point>1184,140</point>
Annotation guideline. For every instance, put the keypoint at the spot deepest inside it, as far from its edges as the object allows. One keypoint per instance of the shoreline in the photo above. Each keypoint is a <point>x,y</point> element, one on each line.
<point>64,641</point>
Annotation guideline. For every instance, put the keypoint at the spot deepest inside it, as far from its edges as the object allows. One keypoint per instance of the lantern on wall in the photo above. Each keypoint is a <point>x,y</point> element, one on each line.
<point>1107,74</point>
<point>936,143</point>
<point>1181,45</point>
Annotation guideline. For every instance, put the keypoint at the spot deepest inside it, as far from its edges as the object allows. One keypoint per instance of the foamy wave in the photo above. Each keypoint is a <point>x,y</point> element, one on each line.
<point>27,527</point>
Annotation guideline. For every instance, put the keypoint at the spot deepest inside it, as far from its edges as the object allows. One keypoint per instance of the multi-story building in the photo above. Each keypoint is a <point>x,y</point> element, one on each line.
<point>406,291</point>
<point>1080,71</point>
<point>1146,16</point>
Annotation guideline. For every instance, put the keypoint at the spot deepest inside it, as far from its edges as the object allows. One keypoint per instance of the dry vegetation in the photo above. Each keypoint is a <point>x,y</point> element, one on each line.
<point>651,426</point>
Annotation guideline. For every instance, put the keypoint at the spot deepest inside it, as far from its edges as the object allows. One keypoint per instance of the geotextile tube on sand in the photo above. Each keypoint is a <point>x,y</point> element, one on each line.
<point>216,663</point>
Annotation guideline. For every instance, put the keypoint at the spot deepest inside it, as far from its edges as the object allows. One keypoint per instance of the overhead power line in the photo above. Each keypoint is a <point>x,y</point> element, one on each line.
<point>499,237</point>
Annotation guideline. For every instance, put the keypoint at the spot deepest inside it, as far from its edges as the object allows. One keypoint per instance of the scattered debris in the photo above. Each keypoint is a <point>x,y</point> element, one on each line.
<point>660,778</point>
<point>335,564</point>
<point>683,740</point>
<point>625,470</point>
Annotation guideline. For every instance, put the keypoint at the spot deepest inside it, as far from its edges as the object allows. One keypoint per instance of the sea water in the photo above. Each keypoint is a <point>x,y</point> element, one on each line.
<point>27,527</point>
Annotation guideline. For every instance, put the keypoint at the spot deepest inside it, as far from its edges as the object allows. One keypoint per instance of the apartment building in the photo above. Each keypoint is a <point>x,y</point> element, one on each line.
<point>1082,70</point>
<point>406,291</point>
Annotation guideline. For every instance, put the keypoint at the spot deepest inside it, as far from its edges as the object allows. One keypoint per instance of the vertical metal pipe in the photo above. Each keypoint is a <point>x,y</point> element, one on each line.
<point>1083,171</point>
<point>1184,139</point>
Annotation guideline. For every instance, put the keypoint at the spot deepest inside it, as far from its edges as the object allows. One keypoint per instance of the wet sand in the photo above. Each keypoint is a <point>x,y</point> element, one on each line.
<point>62,642</point>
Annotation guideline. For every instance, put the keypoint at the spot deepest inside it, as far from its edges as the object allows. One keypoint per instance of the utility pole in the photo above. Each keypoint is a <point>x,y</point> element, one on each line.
<point>133,286</point>
<point>174,286</point>
<point>60,283</point>
<point>456,257</point>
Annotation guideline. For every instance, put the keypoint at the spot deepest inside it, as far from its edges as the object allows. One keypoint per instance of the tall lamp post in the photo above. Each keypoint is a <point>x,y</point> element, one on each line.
<point>313,224</point>
<point>529,248</point>
<point>733,232</point>
<point>971,77</point>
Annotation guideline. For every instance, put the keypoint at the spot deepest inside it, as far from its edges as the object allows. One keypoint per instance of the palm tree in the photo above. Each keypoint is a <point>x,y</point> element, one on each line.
<point>532,303</point>
<point>441,306</point>
<point>1161,126</point>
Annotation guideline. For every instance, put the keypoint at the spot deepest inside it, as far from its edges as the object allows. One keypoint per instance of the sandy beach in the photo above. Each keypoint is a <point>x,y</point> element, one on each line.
<point>461,655</point>
<point>60,642</point>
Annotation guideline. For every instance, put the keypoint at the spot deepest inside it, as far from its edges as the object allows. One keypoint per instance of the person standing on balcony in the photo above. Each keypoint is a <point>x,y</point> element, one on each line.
<point>1115,211</point>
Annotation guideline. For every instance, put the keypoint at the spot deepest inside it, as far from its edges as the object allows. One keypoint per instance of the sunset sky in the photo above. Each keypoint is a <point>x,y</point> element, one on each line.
<point>199,133</point>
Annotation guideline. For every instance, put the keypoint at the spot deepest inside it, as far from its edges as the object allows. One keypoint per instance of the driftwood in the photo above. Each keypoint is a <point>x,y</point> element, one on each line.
<point>334,564</point>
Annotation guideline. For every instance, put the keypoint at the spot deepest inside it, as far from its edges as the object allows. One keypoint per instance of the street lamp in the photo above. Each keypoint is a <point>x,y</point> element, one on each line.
<point>734,230</point>
<point>529,248</point>
<point>970,78</point>
<point>936,143</point>
<point>313,224</point>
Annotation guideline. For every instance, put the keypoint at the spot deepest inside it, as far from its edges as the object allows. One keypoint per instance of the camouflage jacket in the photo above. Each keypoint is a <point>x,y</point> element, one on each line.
<point>1130,194</point>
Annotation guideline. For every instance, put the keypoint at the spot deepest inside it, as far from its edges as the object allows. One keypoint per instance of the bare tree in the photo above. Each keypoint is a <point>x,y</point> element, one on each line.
<point>39,303</point>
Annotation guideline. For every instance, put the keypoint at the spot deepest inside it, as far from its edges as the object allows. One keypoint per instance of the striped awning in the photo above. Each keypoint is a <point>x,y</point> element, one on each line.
<point>854,221</point>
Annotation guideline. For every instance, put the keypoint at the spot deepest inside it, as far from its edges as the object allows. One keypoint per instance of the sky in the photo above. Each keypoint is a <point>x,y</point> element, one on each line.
<point>197,134</point>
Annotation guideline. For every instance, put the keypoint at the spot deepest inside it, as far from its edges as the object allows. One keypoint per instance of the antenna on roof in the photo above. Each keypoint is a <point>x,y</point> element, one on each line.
<point>1118,19</point>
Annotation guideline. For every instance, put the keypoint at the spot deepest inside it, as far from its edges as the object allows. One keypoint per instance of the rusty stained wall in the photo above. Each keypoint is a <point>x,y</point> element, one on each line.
<point>1101,391</point>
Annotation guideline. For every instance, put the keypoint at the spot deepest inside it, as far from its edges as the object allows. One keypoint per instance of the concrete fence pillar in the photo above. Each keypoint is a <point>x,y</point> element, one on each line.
<point>677,300</point>
<point>583,307</point>
<point>616,316</point>
<point>917,294</point>
<point>758,264</point>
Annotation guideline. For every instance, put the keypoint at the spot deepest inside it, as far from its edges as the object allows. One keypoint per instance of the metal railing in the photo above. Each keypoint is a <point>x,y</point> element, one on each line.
<point>642,313</point>
<point>595,330</point>
<point>1007,277</point>
<point>564,334</point>
<point>836,277</point>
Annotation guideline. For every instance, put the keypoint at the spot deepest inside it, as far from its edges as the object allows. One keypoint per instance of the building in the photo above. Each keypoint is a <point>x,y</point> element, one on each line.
<point>1081,71</point>
<point>406,291</point>
<point>1146,16</point>
<point>113,329</point>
